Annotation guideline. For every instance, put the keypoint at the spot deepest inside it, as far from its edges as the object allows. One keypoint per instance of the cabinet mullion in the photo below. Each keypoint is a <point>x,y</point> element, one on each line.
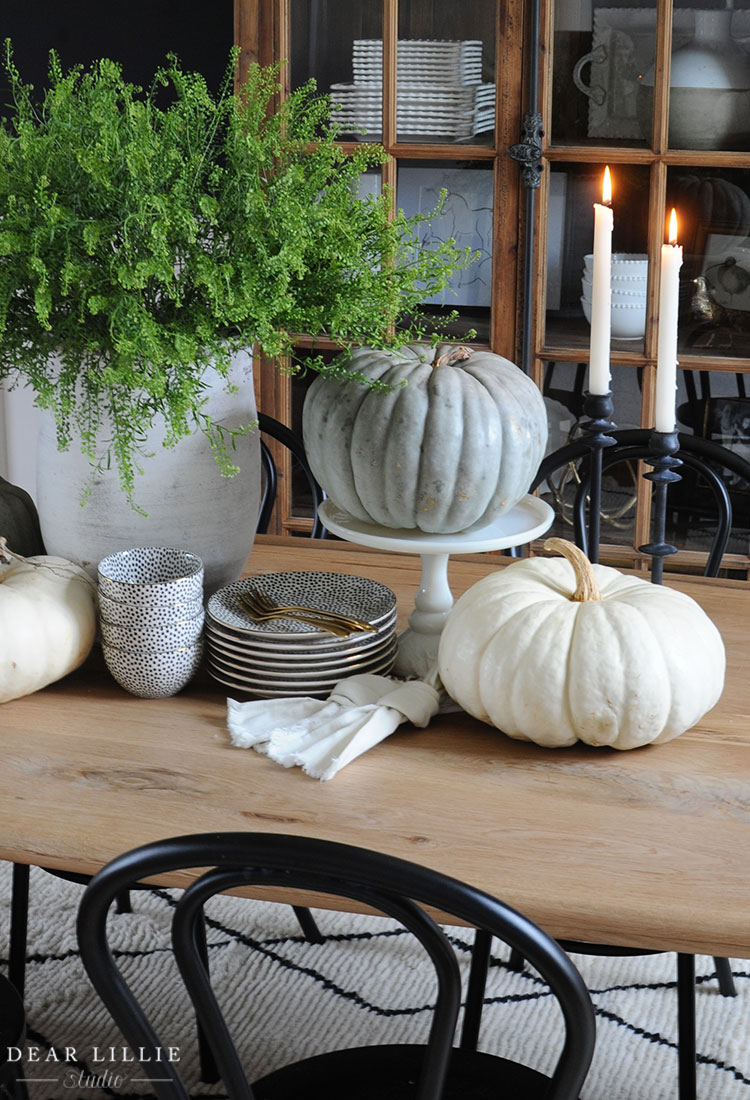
<point>662,64</point>
<point>390,74</point>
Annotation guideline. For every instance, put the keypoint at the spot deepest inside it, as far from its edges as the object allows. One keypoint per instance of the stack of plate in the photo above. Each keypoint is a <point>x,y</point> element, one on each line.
<point>420,59</point>
<point>439,90</point>
<point>284,657</point>
<point>421,109</point>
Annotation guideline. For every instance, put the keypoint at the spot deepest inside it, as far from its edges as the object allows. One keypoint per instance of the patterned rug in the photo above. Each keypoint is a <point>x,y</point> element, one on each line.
<point>366,983</point>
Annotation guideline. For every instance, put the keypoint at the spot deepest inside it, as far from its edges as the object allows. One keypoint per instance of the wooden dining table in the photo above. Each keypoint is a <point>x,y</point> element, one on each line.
<point>647,848</point>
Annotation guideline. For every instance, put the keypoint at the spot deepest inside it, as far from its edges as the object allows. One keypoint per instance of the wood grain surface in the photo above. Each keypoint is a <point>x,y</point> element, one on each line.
<point>645,848</point>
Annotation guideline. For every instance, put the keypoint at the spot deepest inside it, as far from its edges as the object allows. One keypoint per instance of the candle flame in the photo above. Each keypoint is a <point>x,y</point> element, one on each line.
<point>607,187</point>
<point>673,227</point>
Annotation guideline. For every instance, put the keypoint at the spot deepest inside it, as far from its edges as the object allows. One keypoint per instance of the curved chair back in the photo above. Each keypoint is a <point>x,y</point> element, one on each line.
<point>274,428</point>
<point>704,456</point>
<point>393,887</point>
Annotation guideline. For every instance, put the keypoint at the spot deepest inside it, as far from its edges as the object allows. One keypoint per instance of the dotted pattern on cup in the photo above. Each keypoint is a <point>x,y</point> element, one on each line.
<point>154,675</point>
<point>155,576</point>
<point>158,636</point>
<point>124,613</point>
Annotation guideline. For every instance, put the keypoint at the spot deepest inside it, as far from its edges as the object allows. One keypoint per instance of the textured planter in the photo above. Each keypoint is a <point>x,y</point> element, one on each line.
<point>188,503</point>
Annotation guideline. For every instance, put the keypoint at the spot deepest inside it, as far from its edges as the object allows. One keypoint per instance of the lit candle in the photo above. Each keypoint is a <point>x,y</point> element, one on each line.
<point>601,291</point>
<point>666,361</point>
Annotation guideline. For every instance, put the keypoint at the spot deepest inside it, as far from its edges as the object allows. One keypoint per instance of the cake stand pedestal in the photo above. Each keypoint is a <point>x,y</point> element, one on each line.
<point>418,645</point>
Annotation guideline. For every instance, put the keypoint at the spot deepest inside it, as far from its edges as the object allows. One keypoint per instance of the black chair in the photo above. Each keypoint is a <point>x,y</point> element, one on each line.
<point>12,1036</point>
<point>274,428</point>
<point>709,461</point>
<point>395,888</point>
<point>705,459</point>
<point>20,889</point>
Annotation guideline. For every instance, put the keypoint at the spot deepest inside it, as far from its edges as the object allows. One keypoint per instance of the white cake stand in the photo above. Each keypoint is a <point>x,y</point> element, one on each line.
<point>418,645</point>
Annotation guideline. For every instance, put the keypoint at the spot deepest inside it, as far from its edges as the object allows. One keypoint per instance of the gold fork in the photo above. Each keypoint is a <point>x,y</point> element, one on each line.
<point>264,603</point>
<point>339,626</point>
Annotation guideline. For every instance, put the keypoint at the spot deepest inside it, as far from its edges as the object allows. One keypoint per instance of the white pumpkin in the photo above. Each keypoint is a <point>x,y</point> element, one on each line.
<point>555,650</point>
<point>47,621</point>
<point>455,441</point>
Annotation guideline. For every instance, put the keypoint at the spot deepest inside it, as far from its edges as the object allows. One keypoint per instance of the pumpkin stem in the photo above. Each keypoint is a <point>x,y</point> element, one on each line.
<point>59,568</point>
<point>6,554</point>
<point>458,355</point>
<point>587,588</point>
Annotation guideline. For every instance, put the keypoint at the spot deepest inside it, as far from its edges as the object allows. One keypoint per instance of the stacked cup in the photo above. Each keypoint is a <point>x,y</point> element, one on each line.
<point>151,618</point>
<point>629,280</point>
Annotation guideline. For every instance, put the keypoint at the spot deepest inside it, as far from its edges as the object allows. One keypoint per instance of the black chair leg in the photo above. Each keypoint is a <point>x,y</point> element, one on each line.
<point>307,923</point>
<point>19,919</point>
<point>686,1026</point>
<point>123,902</point>
<point>516,960</point>
<point>209,1071</point>
<point>724,974</point>
<point>480,961</point>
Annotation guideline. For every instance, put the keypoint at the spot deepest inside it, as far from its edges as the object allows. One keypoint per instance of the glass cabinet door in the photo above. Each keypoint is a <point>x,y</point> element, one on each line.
<point>662,96</point>
<point>324,41</point>
<point>442,61</point>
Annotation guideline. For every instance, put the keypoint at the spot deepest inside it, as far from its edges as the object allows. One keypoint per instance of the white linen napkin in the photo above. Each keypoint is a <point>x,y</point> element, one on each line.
<point>322,735</point>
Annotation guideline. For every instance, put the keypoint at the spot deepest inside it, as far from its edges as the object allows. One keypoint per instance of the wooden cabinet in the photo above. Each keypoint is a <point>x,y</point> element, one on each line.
<point>661,95</point>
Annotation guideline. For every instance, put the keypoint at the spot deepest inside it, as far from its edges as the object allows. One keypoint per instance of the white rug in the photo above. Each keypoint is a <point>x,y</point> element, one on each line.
<point>365,984</point>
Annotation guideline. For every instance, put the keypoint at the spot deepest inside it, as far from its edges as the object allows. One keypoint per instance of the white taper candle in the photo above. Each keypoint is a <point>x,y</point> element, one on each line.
<point>666,356</point>
<point>601,291</point>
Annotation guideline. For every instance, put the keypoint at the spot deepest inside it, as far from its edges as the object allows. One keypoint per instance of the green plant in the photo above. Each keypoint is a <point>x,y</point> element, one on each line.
<point>144,235</point>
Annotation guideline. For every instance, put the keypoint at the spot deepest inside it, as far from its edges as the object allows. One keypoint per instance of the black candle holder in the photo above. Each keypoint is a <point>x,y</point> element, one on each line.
<point>598,409</point>
<point>663,447</point>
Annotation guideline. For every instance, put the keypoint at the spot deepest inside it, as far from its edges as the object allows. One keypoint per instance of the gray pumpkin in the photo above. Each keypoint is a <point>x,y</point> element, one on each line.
<point>456,441</point>
<point>19,522</point>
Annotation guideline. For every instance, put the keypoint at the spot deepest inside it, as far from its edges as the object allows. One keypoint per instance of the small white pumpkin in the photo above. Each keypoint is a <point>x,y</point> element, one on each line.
<point>556,650</point>
<point>455,441</point>
<point>47,621</point>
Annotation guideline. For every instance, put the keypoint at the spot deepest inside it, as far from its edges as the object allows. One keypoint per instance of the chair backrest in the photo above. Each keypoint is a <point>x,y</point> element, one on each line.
<point>708,459</point>
<point>396,888</point>
<point>267,425</point>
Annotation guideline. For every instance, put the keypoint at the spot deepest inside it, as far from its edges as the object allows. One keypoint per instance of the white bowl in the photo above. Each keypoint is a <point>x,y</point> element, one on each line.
<point>126,613</point>
<point>621,263</point>
<point>624,290</point>
<point>154,674</point>
<point>630,298</point>
<point>154,576</point>
<point>156,636</point>
<point>621,281</point>
<point>628,322</point>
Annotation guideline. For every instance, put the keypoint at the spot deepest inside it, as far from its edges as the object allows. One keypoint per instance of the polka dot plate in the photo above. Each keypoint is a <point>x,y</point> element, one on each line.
<point>356,597</point>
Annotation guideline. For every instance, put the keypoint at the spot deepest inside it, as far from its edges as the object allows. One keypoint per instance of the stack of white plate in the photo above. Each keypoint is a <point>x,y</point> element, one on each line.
<point>419,59</point>
<point>284,657</point>
<point>439,90</point>
<point>421,109</point>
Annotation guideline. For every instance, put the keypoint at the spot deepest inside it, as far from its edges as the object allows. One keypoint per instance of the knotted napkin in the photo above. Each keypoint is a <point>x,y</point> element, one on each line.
<point>322,735</point>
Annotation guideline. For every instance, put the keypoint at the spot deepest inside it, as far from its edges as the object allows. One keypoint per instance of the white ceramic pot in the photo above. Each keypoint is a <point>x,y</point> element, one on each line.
<point>189,505</point>
<point>709,96</point>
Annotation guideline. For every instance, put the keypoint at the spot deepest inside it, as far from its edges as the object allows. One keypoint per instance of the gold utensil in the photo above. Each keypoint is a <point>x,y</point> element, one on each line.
<point>265,611</point>
<point>264,603</point>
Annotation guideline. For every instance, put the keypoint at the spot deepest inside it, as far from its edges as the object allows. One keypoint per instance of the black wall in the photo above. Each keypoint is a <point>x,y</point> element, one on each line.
<point>136,33</point>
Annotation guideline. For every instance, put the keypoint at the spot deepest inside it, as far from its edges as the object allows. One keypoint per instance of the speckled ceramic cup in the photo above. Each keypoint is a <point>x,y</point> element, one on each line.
<point>168,635</point>
<point>124,613</point>
<point>151,577</point>
<point>154,674</point>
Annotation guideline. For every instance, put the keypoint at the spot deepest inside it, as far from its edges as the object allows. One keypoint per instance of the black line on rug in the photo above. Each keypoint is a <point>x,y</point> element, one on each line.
<point>660,1040</point>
